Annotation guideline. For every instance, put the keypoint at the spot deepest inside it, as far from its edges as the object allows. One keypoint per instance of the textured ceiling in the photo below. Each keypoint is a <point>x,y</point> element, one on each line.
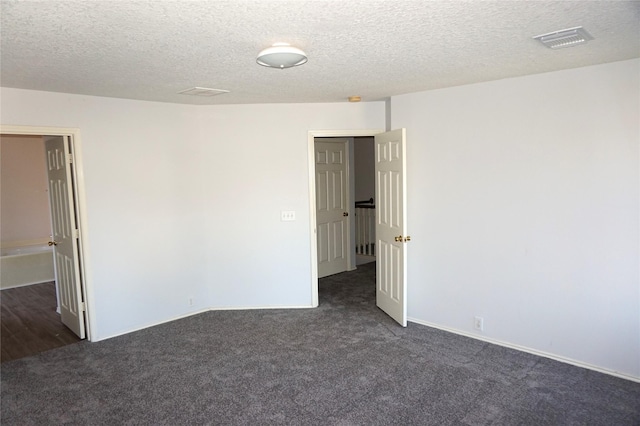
<point>150,50</point>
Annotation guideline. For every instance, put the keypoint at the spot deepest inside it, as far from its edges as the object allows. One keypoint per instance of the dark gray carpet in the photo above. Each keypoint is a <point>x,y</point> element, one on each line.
<point>345,363</point>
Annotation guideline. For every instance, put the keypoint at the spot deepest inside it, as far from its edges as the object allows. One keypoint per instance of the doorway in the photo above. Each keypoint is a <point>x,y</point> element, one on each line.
<point>390,221</point>
<point>312,136</point>
<point>71,161</point>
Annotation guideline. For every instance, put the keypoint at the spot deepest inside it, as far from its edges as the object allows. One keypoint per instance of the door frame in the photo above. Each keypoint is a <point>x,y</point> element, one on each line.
<point>312,135</point>
<point>80,206</point>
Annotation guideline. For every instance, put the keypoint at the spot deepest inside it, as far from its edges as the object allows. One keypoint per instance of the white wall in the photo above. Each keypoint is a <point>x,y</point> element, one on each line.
<point>144,206</point>
<point>523,200</point>
<point>257,165</point>
<point>183,202</point>
<point>24,197</point>
<point>365,175</point>
<point>523,206</point>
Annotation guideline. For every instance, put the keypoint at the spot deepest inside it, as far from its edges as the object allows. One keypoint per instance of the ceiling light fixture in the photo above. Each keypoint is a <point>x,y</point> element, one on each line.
<point>564,38</point>
<point>281,55</point>
<point>354,98</point>
<point>203,91</point>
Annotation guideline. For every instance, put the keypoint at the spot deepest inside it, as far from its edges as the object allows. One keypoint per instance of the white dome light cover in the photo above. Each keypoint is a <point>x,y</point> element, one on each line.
<point>281,55</point>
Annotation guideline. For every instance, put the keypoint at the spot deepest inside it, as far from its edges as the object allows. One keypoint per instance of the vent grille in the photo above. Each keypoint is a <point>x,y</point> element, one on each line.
<point>564,38</point>
<point>203,91</point>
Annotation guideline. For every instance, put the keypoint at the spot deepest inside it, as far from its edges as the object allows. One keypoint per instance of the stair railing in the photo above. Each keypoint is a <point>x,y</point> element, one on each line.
<point>365,227</point>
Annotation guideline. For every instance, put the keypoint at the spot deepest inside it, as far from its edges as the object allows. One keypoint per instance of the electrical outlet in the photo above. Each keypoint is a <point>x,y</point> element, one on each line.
<point>478,323</point>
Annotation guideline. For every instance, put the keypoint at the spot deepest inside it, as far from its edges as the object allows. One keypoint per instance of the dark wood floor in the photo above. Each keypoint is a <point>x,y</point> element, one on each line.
<point>29,322</point>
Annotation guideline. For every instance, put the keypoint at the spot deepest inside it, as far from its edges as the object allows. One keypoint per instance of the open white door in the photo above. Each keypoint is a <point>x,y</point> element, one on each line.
<point>331,206</point>
<point>391,225</point>
<point>65,233</point>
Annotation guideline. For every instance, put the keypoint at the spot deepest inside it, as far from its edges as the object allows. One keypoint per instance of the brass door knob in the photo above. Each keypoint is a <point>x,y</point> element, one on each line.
<point>407,238</point>
<point>345,214</point>
<point>398,239</point>
<point>52,243</point>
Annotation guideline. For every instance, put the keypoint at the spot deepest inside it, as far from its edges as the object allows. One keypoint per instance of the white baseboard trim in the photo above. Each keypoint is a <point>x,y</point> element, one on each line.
<point>26,284</point>
<point>413,320</point>
<point>253,308</point>
<point>200,311</point>
<point>528,350</point>
<point>151,325</point>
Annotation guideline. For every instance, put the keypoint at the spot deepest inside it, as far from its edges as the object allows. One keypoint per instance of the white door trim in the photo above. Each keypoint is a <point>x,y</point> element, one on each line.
<point>80,204</point>
<point>312,194</point>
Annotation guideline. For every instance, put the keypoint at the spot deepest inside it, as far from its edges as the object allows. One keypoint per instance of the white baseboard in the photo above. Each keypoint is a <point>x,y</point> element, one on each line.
<point>529,350</point>
<point>253,308</point>
<point>149,325</point>
<point>414,320</point>
<point>26,284</point>
<point>200,311</point>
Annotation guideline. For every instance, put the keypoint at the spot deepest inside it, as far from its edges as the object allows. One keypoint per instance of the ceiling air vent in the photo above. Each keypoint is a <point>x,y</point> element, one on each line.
<point>203,91</point>
<point>564,38</point>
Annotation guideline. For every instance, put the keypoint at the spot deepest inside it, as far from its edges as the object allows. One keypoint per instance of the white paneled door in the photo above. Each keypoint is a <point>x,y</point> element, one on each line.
<point>391,225</point>
<point>65,233</point>
<point>332,221</point>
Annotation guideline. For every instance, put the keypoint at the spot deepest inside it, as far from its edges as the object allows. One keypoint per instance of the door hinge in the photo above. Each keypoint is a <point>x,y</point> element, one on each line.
<point>83,307</point>
<point>76,233</point>
<point>70,158</point>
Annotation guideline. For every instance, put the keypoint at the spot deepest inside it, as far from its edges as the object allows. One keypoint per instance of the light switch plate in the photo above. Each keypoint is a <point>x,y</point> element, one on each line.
<point>287,216</point>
